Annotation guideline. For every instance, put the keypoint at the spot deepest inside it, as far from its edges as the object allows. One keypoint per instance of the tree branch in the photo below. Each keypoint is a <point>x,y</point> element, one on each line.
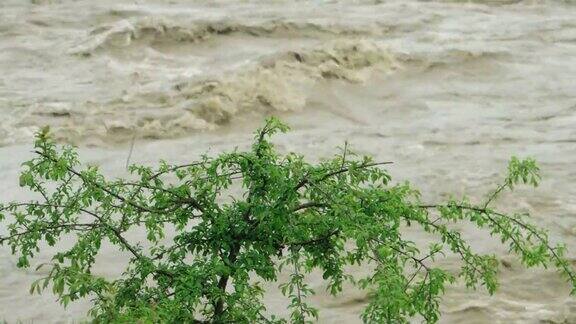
<point>310,204</point>
<point>307,180</point>
<point>542,240</point>
<point>315,240</point>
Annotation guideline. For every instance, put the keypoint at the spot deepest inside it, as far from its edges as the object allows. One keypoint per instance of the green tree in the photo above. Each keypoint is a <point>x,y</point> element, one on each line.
<point>242,217</point>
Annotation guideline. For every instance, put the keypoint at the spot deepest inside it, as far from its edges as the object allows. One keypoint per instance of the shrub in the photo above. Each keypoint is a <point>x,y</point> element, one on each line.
<point>241,218</point>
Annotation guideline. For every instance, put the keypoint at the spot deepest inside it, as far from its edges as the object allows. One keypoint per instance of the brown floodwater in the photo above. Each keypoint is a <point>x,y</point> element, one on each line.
<point>448,90</point>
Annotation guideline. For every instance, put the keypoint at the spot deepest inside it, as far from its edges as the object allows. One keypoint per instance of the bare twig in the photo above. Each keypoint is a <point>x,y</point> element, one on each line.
<point>131,150</point>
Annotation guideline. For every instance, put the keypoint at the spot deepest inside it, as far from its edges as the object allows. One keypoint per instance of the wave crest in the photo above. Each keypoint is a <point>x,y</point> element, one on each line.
<point>277,83</point>
<point>149,29</point>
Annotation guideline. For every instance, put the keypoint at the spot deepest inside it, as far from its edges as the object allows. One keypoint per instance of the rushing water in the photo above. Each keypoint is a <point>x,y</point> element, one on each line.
<point>448,90</point>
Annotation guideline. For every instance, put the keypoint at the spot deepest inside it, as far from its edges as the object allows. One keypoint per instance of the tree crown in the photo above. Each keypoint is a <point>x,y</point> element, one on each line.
<point>242,217</point>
